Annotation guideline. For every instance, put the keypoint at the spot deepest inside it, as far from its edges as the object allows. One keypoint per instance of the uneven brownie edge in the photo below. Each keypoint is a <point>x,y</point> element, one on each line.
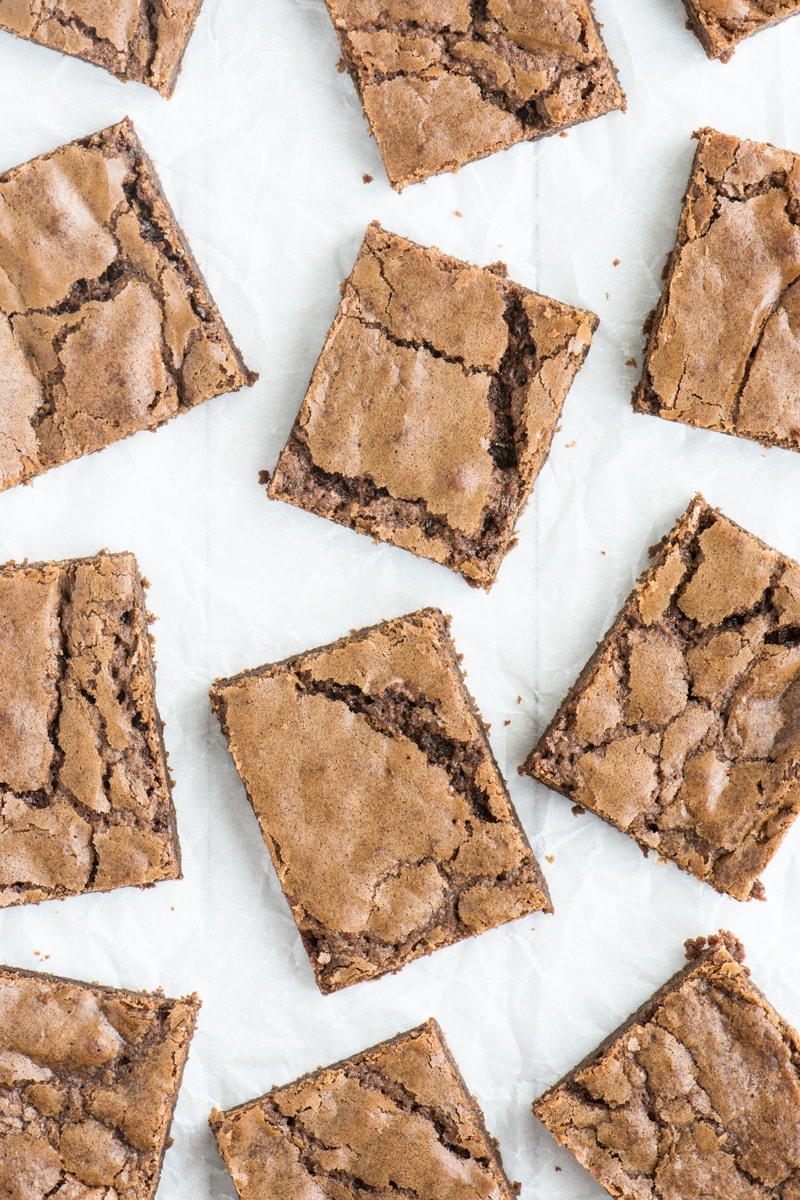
<point>462,1134</point>
<point>720,36</point>
<point>339,959</point>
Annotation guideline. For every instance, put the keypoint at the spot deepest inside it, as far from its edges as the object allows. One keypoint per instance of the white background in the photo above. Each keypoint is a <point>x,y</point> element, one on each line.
<point>262,152</point>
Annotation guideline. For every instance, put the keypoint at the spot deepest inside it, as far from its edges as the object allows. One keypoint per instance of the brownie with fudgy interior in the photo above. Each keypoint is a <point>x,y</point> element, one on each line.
<point>722,24</point>
<point>682,729</point>
<point>433,405</point>
<point>395,1120</point>
<point>387,819</point>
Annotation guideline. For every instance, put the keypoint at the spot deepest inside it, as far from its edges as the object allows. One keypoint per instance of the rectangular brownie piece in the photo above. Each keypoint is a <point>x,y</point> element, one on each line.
<point>387,819</point>
<point>133,39</point>
<point>722,24</point>
<point>444,82</point>
<point>723,350</point>
<point>88,1086</point>
<point>681,730</point>
<point>106,326</point>
<point>86,803</point>
<point>697,1094</point>
<point>396,1119</point>
<point>433,405</point>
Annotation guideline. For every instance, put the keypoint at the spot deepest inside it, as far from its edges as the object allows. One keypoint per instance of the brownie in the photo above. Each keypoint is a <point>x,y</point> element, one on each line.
<point>86,802</point>
<point>697,1094</point>
<point>388,822</point>
<point>682,729</point>
<point>395,1120</point>
<point>133,39</point>
<point>89,1078</point>
<point>723,351</point>
<point>444,82</point>
<point>106,326</point>
<point>722,24</point>
<point>433,405</point>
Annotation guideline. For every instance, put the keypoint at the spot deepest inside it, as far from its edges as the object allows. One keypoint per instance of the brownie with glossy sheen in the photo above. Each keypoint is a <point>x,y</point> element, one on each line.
<point>85,803</point>
<point>387,819</point>
<point>89,1078</point>
<point>106,326</point>
<point>143,40</point>
<point>683,729</point>
<point>724,345</point>
<point>433,405</point>
<point>444,82</point>
<point>722,24</point>
<point>395,1120</point>
<point>697,1094</point>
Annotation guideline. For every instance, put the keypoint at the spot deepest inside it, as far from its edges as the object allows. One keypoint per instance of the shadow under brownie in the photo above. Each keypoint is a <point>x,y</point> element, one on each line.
<point>722,24</point>
<point>387,819</point>
<point>433,405</point>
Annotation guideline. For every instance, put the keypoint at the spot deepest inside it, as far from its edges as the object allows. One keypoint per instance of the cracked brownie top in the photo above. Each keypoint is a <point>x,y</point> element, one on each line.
<point>85,802</point>
<point>89,1077</point>
<point>433,404</point>
<point>683,728</point>
<point>395,1120</point>
<point>721,24</point>
<point>133,39</point>
<point>724,347</point>
<point>388,822</point>
<point>697,1094</point>
<point>444,82</point>
<point>106,326</point>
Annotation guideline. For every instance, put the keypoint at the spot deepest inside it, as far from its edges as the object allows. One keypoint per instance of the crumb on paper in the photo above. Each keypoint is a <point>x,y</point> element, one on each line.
<point>608,297</point>
<point>172,908</point>
<point>457,212</point>
<point>341,66</point>
<point>551,858</point>
<point>563,133</point>
<point>578,810</point>
<point>366,178</point>
<point>519,699</point>
<point>570,445</point>
<point>558,1168</point>
<point>603,553</point>
<point>507,721</point>
<point>630,362</point>
<point>264,478</point>
<point>615,263</point>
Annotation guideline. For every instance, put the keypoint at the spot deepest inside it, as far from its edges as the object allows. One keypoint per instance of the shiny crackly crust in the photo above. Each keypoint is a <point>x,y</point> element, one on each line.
<point>722,24</point>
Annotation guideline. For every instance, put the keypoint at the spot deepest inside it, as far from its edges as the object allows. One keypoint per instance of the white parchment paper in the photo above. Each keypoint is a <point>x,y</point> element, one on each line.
<point>262,153</point>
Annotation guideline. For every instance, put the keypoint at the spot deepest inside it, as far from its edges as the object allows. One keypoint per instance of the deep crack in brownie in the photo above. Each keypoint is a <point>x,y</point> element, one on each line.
<point>696,1095</point>
<point>444,82</point>
<point>433,405</point>
<point>724,345</point>
<point>387,819</point>
<point>86,803</point>
<point>106,326</point>
<point>89,1079</point>
<point>395,1120</point>
<point>722,24</point>
<point>682,730</point>
<point>143,40</point>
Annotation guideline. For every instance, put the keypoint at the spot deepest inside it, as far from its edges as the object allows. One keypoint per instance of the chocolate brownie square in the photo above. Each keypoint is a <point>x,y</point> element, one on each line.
<point>133,39</point>
<point>444,82</point>
<point>106,326</point>
<point>433,405</point>
<point>86,802</point>
<point>387,819</point>
<point>697,1094</point>
<point>724,351</point>
<point>682,729</point>
<point>722,24</point>
<point>395,1120</point>
<point>88,1085</point>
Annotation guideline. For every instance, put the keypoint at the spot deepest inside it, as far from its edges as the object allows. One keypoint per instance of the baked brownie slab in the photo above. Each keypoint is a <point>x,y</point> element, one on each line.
<point>444,82</point>
<point>723,351</point>
<point>85,801</point>
<point>387,819</point>
<point>682,729</point>
<point>133,39</point>
<point>88,1085</point>
<point>722,24</point>
<point>395,1120</point>
<point>106,326</point>
<point>433,405</point>
<point>696,1095</point>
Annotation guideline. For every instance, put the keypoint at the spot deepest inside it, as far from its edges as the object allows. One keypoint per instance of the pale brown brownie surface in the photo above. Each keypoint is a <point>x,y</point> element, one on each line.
<point>683,728</point>
<point>85,801</point>
<point>106,326</point>
<point>696,1095</point>
<point>388,822</point>
<point>134,39</point>
<point>89,1078</point>
<point>722,24</point>
<point>433,405</point>
<point>444,82</point>
<point>395,1120</point>
<point>724,345</point>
